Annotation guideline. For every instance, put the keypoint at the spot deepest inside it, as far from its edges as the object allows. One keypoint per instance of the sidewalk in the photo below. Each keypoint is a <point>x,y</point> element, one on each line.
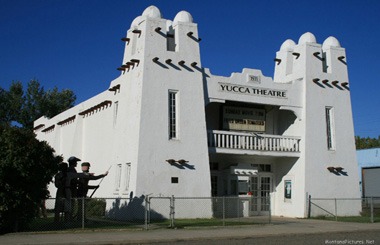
<point>280,226</point>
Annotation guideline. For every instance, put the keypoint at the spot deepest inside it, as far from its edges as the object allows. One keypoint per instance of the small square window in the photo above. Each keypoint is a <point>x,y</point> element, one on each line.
<point>174,180</point>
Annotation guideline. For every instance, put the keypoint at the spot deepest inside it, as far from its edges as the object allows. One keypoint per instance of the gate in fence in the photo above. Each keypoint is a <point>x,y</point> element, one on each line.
<point>345,208</point>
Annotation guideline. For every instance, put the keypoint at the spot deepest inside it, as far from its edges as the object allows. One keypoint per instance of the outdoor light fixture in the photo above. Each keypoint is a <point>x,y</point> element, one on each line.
<point>182,161</point>
<point>331,169</point>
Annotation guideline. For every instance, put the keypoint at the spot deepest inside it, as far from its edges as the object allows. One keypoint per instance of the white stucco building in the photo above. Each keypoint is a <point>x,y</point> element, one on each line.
<point>167,126</point>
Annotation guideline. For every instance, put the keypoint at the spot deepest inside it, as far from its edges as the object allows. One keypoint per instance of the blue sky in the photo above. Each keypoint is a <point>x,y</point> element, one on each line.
<point>75,44</point>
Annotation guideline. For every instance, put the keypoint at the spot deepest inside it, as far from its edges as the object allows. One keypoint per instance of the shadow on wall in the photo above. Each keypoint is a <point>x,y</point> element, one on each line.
<point>132,208</point>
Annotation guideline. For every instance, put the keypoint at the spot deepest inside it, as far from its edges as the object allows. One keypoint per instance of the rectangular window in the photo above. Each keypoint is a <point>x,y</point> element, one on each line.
<point>214,186</point>
<point>118,177</point>
<point>173,115</point>
<point>115,110</point>
<point>170,42</point>
<point>174,180</point>
<point>330,127</point>
<point>127,175</point>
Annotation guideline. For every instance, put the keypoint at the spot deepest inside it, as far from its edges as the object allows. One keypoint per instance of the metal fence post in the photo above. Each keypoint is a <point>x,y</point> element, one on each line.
<point>372,220</point>
<point>146,212</point>
<point>309,208</point>
<point>82,212</point>
<point>224,211</point>
<point>237,208</point>
<point>270,211</point>
<point>172,210</point>
<point>336,210</point>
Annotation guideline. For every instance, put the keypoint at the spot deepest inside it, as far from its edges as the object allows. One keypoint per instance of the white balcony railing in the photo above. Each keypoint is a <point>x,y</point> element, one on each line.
<point>252,141</point>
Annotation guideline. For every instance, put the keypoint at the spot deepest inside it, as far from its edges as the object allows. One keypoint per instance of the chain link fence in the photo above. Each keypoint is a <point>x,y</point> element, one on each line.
<point>345,209</point>
<point>148,212</point>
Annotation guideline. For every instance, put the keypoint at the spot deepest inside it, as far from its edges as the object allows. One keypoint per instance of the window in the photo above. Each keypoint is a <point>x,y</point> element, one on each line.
<point>127,174</point>
<point>170,42</point>
<point>116,107</point>
<point>174,180</point>
<point>330,127</point>
<point>118,177</point>
<point>214,185</point>
<point>173,115</point>
<point>265,168</point>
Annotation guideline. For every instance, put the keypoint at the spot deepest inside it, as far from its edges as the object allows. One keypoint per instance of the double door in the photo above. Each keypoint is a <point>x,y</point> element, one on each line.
<point>260,188</point>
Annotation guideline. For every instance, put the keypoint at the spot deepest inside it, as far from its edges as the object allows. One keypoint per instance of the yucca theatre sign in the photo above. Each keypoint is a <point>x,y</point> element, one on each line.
<point>240,89</point>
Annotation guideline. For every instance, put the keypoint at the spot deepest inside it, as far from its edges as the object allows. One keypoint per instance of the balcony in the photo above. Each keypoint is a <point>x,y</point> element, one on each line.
<point>253,143</point>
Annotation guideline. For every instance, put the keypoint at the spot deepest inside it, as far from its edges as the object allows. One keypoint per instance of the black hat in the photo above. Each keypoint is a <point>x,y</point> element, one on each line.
<point>86,164</point>
<point>73,159</point>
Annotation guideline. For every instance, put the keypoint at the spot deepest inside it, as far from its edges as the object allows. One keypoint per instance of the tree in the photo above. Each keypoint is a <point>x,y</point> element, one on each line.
<point>11,103</point>
<point>366,143</point>
<point>24,107</point>
<point>26,164</point>
<point>26,168</point>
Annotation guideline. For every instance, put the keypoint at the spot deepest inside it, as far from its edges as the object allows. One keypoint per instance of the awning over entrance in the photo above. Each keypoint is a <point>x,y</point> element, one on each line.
<point>244,169</point>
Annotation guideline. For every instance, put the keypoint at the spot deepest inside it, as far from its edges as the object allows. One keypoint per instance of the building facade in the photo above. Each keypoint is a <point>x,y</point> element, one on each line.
<point>167,126</point>
<point>369,172</point>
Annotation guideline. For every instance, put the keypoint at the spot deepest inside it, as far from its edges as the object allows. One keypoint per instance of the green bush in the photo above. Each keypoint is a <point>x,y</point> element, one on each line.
<point>96,207</point>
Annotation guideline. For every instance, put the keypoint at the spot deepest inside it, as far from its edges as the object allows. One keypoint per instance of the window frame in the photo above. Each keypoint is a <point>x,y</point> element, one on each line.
<point>330,126</point>
<point>173,115</point>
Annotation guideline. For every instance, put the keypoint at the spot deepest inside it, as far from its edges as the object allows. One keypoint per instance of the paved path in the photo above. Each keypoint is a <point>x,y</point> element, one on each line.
<point>279,227</point>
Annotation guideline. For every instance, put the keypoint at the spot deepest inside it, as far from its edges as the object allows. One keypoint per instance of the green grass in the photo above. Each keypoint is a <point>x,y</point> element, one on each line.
<point>187,223</point>
<point>48,224</point>
<point>364,218</point>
